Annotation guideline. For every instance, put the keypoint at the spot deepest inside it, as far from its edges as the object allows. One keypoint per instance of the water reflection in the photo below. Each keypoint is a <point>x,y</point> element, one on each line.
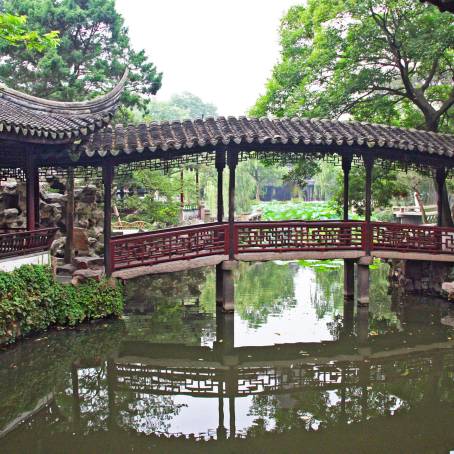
<point>293,365</point>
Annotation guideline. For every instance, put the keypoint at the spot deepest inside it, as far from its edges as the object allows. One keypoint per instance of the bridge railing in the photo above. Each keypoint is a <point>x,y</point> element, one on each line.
<point>412,238</point>
<point>299,236</point>
<point>182,243</point>
<point>20,243</point>
<point>150,248</point>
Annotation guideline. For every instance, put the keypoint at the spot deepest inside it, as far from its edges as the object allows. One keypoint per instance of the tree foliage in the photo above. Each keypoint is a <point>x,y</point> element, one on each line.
<point>159,206</point>
<point>181,106</point>
<point>15,32</point>
<point>93,52</point>
<point>385,61</point>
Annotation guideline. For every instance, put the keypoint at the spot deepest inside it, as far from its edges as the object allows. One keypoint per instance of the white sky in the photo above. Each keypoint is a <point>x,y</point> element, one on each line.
<point>222,51</point>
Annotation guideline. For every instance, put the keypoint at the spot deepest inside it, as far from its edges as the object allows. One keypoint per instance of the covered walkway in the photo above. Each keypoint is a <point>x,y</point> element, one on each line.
<point>41,138</point>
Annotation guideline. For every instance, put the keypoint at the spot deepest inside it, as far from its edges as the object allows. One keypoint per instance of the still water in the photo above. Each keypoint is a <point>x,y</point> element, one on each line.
<point>294,370</point>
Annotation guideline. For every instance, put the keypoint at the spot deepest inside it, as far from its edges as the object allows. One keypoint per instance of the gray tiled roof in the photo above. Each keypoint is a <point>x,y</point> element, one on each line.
<point>191,135</point>
<point>31,117</point>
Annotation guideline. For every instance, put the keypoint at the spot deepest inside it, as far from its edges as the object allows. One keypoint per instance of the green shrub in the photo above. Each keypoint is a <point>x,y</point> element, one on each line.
<point>31,301</point>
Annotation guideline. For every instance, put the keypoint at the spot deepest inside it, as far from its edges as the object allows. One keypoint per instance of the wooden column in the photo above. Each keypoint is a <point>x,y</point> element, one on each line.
<point>363,272</point>
<point>220,165</point>
<point>37,197</point>
<point>440,178</point>
<point>232,161</point>
<point>369,165</point>
<point>107,176</point>
<point>31,175</point>
<point>69,244</point>
<point>346,167</point>
<point>182,195</point>
<point>197,190</point>
<point>349,264</point>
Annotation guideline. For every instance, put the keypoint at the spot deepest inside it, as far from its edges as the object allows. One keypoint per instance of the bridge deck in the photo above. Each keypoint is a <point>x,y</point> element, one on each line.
<point>205,245</point>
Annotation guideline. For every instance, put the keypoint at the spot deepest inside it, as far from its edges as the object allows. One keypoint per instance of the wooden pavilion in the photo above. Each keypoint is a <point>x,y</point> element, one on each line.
<point>39,137</point>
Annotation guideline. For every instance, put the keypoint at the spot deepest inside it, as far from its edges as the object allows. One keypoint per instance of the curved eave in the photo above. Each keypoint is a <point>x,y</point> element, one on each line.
<point>27,118</point>
<point>81,108</point>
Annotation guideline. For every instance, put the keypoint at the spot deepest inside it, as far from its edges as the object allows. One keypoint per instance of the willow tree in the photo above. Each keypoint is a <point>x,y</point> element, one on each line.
<point>385,61</point>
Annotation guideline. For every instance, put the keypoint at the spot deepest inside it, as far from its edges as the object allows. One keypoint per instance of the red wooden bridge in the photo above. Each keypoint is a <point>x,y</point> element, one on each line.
<point>342,239</point>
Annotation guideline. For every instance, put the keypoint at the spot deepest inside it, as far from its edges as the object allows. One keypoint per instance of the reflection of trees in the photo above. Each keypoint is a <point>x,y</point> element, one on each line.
<point>34,369</point>
<point>146,413</point>
<point>318,408</point>
<point>263,289</point>
<point>177,304</point>
<point>329,296</point>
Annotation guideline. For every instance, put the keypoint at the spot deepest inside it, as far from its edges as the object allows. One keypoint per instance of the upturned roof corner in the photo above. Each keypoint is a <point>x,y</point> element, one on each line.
<point>46,120</point>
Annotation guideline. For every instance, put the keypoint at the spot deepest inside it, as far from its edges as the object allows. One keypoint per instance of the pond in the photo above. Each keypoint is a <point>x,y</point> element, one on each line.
<point>295,369</point>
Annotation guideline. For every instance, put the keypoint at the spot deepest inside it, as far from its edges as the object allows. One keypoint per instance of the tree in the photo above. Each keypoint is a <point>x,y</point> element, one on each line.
<point>159,206</point>
<point>94,50</point>
<point>181,106</point>
<point>261,175</point>
<point>386,61</point>
<point>14,32</point>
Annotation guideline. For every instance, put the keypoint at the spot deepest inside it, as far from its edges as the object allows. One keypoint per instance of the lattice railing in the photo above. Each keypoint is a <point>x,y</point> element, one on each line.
<point>250,237</point>
<point>167,245</point>
<point>26,242</point>
<point>412,238</point>
<point>298,236</point>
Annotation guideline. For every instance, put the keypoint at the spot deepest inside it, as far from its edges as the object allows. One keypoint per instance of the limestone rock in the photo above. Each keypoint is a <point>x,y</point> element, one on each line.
<point>84,263</point>
<point>66,270</point>
<point>53,197</point>
<point>80,276</point>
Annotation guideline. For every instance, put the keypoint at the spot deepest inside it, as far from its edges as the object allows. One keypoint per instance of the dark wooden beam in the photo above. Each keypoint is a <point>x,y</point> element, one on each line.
<point>232,161</point>
<point>107,175</point>
<point>346,167</point>
<point>31,174</point>
<point>69,244</point>
<point>368,165</point>
<point>440,178</point>
<point>220,165</point>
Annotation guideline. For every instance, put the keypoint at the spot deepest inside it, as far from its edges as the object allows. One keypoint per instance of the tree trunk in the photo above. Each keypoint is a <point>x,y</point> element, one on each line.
<point>446,216</point>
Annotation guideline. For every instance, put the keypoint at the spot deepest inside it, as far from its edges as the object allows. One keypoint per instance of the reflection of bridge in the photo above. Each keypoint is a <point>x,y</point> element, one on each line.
<point>146,369</point>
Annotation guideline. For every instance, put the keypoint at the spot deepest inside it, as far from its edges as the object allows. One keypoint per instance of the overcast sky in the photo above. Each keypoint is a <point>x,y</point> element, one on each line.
<point>222,51</point>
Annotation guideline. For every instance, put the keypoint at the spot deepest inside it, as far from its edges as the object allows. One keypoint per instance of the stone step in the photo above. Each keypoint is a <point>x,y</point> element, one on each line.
<point>84,262</point>
<point>65,270</point>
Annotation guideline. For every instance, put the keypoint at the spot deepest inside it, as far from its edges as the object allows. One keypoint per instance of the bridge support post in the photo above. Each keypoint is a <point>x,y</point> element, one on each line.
<point>363,277</point>
<point>219,284</point>
<point>349,278</point>
<point>349,265</point>
<point>107,177</point>
<point>228,285</point>
<point>362,324</point>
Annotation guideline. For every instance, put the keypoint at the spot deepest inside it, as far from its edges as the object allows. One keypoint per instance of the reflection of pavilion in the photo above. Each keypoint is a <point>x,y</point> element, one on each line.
<point>226,373</point>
